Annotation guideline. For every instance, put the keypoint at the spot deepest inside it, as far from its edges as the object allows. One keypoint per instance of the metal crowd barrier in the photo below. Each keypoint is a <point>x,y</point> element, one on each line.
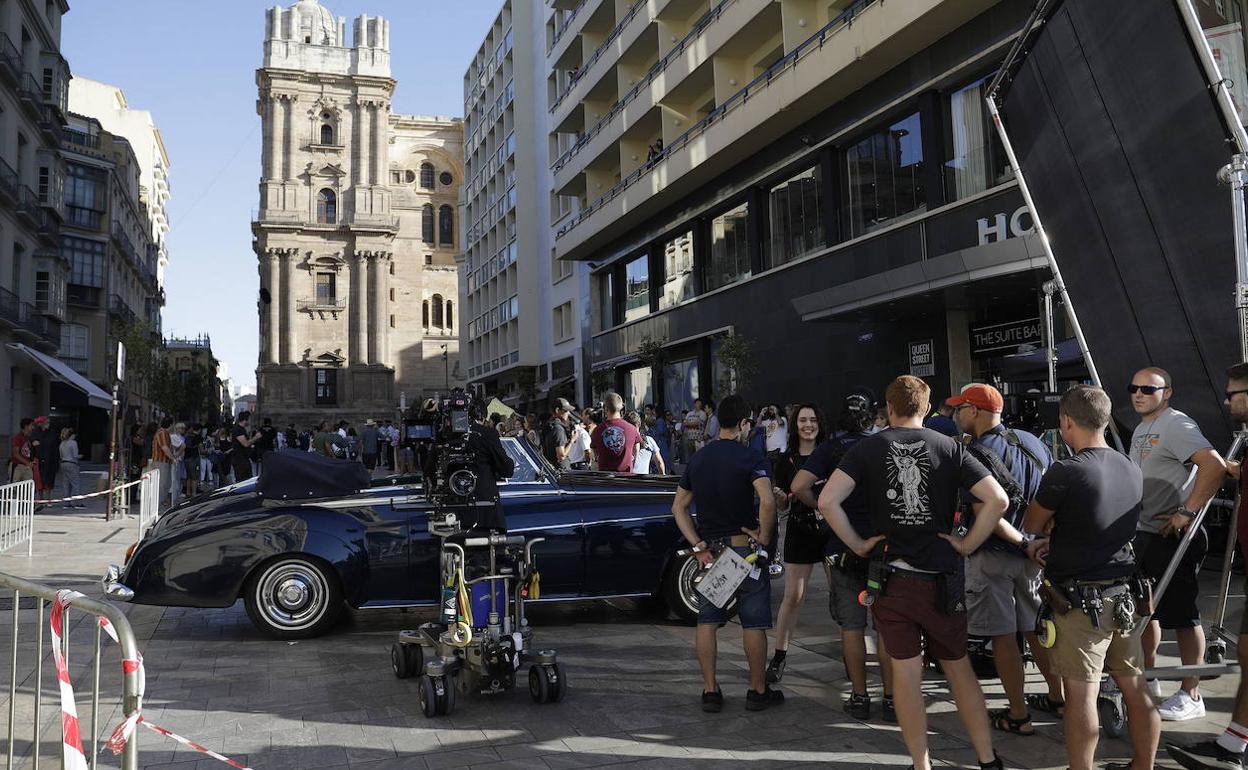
<point>149,500</point>
<point>28,688</point>
<point>17,515</point>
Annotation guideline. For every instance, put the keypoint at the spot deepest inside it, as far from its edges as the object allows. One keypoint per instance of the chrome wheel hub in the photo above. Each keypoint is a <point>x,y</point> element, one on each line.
<point>292,594</point>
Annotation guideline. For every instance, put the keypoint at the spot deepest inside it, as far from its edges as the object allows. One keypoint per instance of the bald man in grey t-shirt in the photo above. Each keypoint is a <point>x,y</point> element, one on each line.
<point>1166,445</point>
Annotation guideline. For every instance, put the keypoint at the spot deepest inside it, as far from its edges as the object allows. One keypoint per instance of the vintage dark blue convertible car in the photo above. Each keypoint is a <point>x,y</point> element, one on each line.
<point>295,564</point>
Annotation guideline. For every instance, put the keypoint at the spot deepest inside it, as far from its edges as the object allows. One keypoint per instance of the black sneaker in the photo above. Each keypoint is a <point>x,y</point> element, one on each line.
<point>1204,755</point>
<point>888,712</point>
<point>858,706</point>
<point>775,670</point>
<point>757,701</point>
<point>995,764</point>
<point>713,702</point>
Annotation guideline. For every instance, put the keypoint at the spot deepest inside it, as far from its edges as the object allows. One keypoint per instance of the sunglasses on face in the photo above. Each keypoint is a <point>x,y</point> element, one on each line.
<point>1233,393</point>
<point>1147,390</point>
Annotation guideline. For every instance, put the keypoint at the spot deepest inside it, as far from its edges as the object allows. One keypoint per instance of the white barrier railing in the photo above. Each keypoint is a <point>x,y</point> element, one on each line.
<point>17,515</point>
<point>149,500</point>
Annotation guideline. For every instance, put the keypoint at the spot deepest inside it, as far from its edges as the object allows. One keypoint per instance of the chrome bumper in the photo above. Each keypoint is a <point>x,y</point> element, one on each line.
<point>113,587</point>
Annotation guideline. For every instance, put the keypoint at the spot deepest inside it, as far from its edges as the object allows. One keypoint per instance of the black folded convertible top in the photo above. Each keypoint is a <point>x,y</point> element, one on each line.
<point>291,474</point>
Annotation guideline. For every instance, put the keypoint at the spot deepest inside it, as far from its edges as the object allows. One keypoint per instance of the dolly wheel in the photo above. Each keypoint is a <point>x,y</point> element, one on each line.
<point>428,697</point>
<point>1215,653</point>
<point>1113,718</point>
<point>446,699</point>
<point>407,660</point>
<point>539,684</point>
<point>558,682</point>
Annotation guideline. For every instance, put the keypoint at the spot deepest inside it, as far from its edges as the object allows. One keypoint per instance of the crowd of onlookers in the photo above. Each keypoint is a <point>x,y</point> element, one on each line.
<point>49,458</point>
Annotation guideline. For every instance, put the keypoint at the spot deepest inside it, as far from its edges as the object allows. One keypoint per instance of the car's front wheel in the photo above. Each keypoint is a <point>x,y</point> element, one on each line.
<point>293,597</point>
<point>680,589</point>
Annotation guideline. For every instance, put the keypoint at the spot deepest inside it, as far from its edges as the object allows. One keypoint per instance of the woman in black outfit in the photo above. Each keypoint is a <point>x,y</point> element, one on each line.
<point>805,533</point>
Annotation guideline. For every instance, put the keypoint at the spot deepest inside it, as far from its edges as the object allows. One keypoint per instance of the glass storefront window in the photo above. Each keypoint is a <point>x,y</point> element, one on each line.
<point>795,214</point>
<point>606,302</point>
<point>636,288</point>
<point>974,158</point>
<point>680,385</point>
<point>885,174</point>
<point>677,270</point>
<point>729,259</point>
<point>638,388</point>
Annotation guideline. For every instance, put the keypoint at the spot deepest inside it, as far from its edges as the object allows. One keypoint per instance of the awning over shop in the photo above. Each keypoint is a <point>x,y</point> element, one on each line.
<point>60,372</point>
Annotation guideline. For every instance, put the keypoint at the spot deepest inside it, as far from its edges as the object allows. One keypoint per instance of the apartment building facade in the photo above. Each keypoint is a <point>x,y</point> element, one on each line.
<point>33,82</point>
<point>820,178</point>
<point>523,308</point>
<point>113,293</point>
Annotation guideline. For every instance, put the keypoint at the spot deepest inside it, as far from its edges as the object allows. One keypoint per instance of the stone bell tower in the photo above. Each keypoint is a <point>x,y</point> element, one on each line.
<point>324,233</point>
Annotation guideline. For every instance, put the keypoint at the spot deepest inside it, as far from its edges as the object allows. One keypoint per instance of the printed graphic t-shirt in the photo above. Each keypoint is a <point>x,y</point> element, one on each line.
<point>1162,447</point>
<point>614,442</point>
<point>911,479</point>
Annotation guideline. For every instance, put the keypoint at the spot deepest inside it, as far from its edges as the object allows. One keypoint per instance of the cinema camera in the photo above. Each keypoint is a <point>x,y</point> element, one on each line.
<point>441,430</point>
<point>483,637</point>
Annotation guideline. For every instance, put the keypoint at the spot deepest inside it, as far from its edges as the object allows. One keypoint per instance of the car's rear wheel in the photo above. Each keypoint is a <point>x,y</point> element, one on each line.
<point>293,597</point>
<point>680,589</point>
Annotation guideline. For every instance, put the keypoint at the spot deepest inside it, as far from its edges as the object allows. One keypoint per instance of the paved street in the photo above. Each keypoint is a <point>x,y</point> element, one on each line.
<point>333,702</point>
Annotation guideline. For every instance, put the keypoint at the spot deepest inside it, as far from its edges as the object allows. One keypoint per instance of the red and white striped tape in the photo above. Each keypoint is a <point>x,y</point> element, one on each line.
<point>73,757</point>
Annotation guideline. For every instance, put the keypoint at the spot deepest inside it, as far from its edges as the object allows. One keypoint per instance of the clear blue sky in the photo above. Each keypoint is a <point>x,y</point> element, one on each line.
<point>192,63</point>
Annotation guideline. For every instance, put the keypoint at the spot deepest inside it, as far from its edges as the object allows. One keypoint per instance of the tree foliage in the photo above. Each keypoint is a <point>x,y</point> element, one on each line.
<point>736,354</point>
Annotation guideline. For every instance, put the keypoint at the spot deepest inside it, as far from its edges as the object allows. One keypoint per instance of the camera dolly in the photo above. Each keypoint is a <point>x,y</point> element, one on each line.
<point>483,638</point>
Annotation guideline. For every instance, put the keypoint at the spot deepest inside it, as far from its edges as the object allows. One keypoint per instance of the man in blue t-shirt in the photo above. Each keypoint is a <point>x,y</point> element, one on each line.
<point>1002,584</point>
<point>721,481</point>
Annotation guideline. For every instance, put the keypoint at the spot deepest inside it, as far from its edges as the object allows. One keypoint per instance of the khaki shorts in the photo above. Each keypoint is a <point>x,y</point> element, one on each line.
<point>1082,652</point>
<point>1002,593</point>
<point>21,473</point>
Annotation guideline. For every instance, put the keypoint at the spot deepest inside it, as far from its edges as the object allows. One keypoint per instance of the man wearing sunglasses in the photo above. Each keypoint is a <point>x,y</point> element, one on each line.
<point>1165,445</point>
<point>1227,750</point>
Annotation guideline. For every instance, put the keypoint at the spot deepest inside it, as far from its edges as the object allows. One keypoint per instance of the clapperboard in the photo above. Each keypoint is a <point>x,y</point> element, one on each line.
<point>721,581</point>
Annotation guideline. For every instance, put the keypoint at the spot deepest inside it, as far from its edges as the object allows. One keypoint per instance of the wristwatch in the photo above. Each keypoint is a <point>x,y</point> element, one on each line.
<point>1189,514</point>
<point>1027,538</point>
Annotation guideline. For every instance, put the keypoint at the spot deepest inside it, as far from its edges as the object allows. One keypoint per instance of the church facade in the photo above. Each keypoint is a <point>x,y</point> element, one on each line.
<point>356,233</point>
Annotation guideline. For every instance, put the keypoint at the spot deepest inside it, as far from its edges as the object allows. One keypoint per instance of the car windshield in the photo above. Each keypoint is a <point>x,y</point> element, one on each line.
<point>526,470</point>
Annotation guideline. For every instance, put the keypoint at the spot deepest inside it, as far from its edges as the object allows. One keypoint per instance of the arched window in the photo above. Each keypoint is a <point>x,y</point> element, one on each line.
<point>446,226</point>
<point>327,134</point>
<point>424,314</point>
<point>450,321</point>
<point>426,223</point>
<point>426,175</point>
<point>437,310</point>
<point>326,207</point>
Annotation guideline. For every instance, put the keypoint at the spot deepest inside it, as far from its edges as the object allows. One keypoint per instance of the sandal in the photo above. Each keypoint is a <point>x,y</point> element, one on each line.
<point>1042,702</point>
<point>1001,720</point>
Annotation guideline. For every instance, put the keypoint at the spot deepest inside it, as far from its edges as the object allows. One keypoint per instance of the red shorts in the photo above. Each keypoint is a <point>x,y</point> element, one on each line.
<point>909,611</point>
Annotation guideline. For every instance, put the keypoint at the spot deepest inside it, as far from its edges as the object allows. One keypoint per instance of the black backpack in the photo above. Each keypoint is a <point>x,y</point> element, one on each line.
<point>1013,490</point>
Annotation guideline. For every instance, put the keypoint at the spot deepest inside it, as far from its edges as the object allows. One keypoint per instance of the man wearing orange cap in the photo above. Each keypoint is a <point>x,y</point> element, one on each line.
<point>1002,584</point>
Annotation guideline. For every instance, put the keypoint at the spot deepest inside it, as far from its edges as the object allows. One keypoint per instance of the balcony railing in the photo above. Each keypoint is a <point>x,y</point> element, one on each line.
<point>10,307</point>
<point>655,70</point>
<point>200,342</point>
<point>82,139</point>
<point>40,326</point>
<point>566,24</point>
<point>9,183</point>
<point>10,58</point>
<point>762,81</point>
<point>597,54</point>
<point>29,90</point>
<point>118,307</point>
<point>29,206</point>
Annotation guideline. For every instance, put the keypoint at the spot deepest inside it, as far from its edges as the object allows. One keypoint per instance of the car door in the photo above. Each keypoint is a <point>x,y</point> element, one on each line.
<point>629,534</point>
<point>537,506</point>
<point>387,540</point>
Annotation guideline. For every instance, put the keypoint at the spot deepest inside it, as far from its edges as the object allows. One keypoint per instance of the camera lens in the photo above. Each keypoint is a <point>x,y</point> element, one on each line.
<point>463,482</point>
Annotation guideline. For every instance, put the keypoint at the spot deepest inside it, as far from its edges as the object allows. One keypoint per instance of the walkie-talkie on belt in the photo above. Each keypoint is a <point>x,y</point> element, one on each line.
<point>877,574</point>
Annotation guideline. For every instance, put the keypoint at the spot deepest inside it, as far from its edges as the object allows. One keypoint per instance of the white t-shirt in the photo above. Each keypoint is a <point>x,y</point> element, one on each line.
<point>777,434</point>
<point>579,445</point>
<point>648,449</point>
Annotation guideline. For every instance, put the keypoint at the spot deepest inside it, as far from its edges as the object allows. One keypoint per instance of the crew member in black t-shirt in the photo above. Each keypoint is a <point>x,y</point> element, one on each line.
<point>266,440</point>
<point>721,481</point>
<point>241,440</point>
<point>1090,505</point>
<point>846,571</point>
<point>910,477</point>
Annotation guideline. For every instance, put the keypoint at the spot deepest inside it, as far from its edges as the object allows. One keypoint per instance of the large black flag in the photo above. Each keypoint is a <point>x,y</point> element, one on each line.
<point>1120,139</point>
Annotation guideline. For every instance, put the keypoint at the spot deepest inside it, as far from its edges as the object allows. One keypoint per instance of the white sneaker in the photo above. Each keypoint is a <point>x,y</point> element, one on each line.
<point>1180,707</point>
<point>1154,688</point>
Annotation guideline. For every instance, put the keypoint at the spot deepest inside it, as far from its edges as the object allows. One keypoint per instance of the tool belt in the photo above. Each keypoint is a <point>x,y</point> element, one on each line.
<point>848,562</point>
<point>736,541</point>
<point>1090,597</point>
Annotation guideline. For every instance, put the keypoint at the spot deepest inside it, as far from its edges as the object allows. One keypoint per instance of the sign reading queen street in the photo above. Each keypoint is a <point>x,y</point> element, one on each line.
<point>988,340</point>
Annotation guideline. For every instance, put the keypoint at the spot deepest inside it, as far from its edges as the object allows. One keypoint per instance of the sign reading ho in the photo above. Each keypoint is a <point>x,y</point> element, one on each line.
<point>922,359</point>
<point>999,227</point>
<point>988,340</point>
